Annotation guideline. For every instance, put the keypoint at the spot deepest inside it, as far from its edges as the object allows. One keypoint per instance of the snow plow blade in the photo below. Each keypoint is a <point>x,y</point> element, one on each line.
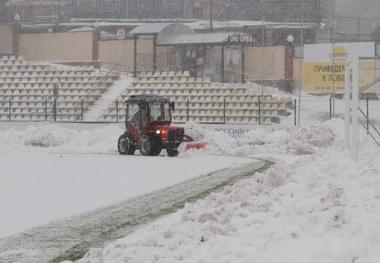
<point>190,144</point>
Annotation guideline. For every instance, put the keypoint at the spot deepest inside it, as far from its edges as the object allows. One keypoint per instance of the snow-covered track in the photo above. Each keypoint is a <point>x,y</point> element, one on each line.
<point>71,238</point>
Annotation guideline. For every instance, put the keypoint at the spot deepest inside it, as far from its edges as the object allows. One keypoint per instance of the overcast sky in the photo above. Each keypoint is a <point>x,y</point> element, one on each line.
<point>363,8</point>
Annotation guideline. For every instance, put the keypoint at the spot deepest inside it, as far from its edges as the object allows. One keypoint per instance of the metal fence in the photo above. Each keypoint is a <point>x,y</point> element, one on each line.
<point>50,111</point>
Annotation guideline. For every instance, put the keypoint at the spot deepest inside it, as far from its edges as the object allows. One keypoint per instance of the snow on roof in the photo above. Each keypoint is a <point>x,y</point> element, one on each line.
<point>198,38</point>
<point>149,29</point>
<point>238,24</point>
<point>146,98</point>
<point>82,29</point>
<point>165,28</point>
<point>157,26</point>
<point>34,2</point>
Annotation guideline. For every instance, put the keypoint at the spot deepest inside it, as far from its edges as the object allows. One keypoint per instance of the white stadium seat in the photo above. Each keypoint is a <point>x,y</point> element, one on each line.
<point>30,89</point>
<point>207,100</point>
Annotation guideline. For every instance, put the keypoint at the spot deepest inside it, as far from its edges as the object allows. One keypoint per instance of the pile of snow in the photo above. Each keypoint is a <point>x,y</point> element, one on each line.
<point>55,137</point>
<point>314,205</point>
<point>274,139</point>
<point>195,131</point>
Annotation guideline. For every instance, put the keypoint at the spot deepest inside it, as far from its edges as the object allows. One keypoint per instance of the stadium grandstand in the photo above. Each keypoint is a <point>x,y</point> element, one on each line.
<point>200,100</point>
<point>28,93</point>
<point>57,64</point>
<point>45,92</point>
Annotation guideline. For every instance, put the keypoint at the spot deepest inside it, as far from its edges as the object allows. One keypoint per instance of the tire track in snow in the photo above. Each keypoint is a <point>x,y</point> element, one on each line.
<point>71,238</point>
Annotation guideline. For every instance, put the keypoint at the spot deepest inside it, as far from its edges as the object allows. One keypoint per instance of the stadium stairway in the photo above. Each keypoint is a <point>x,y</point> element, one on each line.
<point>95,112</point>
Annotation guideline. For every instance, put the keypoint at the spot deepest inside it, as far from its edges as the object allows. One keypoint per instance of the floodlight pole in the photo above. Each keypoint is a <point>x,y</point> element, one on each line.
<point>135,56</point>
<point>347,106</point>
<point>211,16</point>
<point>333,58</point>
<point>262,53</point>
<point>355,107</point>
<point>301,64</point>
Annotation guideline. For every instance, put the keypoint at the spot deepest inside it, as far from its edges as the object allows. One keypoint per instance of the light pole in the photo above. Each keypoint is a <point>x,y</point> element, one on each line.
<point>211,16</point>
<point>333,58</point>
<point>301,64</point>
<point>289,56</point>
<point>262,53</point>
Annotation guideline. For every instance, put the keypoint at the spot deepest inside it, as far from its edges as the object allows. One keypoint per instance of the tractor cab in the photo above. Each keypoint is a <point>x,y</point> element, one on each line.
<point>143,111</point>
<point>148,127</point>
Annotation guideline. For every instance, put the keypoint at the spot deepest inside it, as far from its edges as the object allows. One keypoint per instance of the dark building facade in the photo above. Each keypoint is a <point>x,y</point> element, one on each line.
<point>2,11</point>
<point>270,10</point>
<point>37,10</point>
<point>131,9</point>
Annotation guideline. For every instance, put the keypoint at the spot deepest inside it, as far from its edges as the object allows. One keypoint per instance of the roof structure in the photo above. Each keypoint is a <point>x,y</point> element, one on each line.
<point>181,34</point>
<point>232,25</point>
<point>162,28</point>
<point>148,29</point>
<point>82,29</point>
<point>202,38</point>
<point>34,2</point>
<point>146,98</point>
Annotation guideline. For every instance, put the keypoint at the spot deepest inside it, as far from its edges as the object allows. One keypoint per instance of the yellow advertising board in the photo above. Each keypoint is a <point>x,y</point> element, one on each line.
<point>322,77</point>
<point>323,74</point>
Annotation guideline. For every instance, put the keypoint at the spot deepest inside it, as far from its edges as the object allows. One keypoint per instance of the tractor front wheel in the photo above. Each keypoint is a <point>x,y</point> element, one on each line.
<point>125,145</point>
<point>172,151</point>
<point>150,146</point>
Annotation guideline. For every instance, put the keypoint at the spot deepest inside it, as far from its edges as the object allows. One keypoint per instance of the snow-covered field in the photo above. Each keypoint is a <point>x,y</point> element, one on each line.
<point>314,205</point>
<point>51,172</point>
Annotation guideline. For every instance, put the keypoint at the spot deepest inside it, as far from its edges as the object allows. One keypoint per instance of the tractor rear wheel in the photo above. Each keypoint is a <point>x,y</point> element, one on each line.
<point>125,145</point>
<point>150,146</point>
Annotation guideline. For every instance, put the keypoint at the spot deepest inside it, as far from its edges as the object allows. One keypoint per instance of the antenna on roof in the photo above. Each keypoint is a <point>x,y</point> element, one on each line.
<point>211,16</point>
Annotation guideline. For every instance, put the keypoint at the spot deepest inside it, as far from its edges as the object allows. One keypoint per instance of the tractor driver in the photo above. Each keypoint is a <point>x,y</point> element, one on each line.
<point>141,117</point>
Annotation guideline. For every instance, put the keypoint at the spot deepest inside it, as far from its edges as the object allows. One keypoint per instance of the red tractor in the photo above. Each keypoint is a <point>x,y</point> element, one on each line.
<point>148,127</point>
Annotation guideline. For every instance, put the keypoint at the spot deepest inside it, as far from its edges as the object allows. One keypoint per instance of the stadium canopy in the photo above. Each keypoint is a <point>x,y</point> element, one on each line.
<point>164,29</point>
<point>219,38</point>
<point>34,2</point>
<point>181,34</point>
<point>184,37</point>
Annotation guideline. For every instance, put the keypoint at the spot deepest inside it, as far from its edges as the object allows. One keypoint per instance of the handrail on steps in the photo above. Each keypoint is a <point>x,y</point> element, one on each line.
<point>97,84</point>
<point>371,84</point>
<point>373,126</point>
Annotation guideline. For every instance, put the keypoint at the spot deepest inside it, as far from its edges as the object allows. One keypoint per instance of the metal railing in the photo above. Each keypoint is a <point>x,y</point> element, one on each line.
<point>48,111</point>
<point>223,114</point>
<point>372,130</point>
<point>82,99</point>
<point>371,84</point>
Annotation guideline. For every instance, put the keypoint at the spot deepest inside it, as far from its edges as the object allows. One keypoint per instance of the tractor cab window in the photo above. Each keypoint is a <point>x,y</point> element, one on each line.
<point>134,114</point>
<point>139,114</point>
<point>160,112</point>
